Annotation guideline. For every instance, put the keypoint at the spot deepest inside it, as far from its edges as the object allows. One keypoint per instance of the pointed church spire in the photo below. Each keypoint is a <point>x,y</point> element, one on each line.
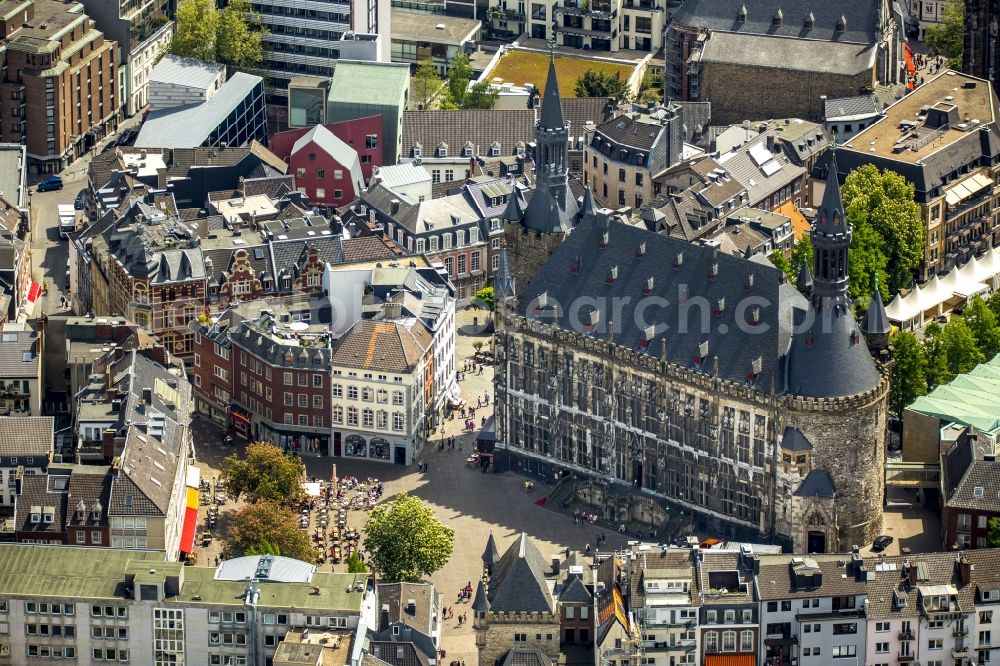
<point>481,604</point>
<point>831,240</point>
<point>875,321</point>
<point>503,290</point>
<point>490,554</point>
<point>805,280</point>
<point>513,212</point>
<point>588,207</point>
<point>552,114</point>
<point>830,218</point>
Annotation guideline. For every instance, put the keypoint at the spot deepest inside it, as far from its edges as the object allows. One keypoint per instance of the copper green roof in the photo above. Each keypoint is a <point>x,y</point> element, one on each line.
<point>373,83</point>
<point>969,399</point>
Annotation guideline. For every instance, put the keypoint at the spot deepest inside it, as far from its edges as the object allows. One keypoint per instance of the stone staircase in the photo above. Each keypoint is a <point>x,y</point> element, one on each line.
<point>668,531</point>
<point>560,496</point>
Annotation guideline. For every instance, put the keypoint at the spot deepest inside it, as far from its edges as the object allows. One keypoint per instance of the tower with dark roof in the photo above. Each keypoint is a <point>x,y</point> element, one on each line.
<point>552,210</point>
<point>875,324</point>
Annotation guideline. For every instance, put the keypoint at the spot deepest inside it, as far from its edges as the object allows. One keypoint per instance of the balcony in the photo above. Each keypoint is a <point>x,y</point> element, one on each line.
<point>960,632</point>
<point>960,652</point>
<point>907,658</point>
<point>906,635</point>
<point>641,4</point>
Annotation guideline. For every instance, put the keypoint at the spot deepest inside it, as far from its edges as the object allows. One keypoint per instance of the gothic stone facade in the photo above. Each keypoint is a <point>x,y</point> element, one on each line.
<point>708,445</point>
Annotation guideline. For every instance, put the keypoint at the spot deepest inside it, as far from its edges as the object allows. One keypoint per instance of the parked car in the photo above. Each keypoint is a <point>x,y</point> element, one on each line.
<point>881,543</point>
<point>50,183</point>
<point>81,200</point>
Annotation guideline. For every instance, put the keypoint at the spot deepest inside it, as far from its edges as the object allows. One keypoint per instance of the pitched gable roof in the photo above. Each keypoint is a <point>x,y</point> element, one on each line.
<point>518,583</point>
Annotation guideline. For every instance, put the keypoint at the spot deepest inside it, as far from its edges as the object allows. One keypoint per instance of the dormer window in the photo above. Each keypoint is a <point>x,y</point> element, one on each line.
<point>741,15</point>
<point>776,19</point>
<point>810,20</point>
<point>648,289</point>
<point>842,24</point>
<point>416,151</point>
<point>647,335</point>
<point>679,261</point>
<point>613,275</point>
<point>702,353</point>
<point>467,151</point>
<point>96,511</point>
<point>495,149</point>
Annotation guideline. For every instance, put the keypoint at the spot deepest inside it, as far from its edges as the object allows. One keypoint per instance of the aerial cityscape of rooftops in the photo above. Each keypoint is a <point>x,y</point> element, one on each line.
<point>500,333</point>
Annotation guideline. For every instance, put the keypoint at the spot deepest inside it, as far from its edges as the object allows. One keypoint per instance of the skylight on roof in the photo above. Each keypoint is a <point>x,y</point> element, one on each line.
<point>977,491</point>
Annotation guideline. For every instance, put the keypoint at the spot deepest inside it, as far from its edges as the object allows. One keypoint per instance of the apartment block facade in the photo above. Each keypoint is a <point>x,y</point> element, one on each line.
<point>100,606</point>
<point>59,95</point>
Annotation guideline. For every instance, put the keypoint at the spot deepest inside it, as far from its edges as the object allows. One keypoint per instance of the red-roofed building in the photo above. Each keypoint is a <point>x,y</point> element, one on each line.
<point>364,135</point>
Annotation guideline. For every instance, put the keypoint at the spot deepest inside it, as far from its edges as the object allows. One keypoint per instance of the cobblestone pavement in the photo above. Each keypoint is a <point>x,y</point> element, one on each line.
<point>470,502</point>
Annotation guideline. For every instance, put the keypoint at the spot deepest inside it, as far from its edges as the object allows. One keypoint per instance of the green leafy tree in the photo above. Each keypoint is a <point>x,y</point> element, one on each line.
<point>267,527</point>
<point>265,473</point>
<point>196,27</point>
<point>459,75</point>
<point>239,41</point>
<point>866,260</point>
<point>993,303</point>
<point>405,541</point>
<point>595,83</point>
<point>485,298</point>
<point>427,80</point>
<point>946,37</point>
<point>937,359</point>
<point>908,378</point>
<point>355,565</point>
<point>777,257</point>
<point>984,326</point>
<point>232,36</point>
<point>480,96</point>
<point>959,346</point>
<point>803,250</point>
<point>993,538</point>
<point>883,201</point>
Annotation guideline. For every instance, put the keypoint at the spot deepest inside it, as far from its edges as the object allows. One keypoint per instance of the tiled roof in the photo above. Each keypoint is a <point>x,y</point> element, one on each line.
<point>398,653</point>
<point>26,435</point>
<point>19,354</point>
<point>35,495</point>
<point>848,107</point>
<point>482,127</point>
<point>775,581</point>
<point>972,482</point>
<point>333,146</point>
<point>387,346</point>
<point>518,581</point>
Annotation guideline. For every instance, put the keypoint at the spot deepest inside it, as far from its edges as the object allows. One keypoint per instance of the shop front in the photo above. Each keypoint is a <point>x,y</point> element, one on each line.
<point>303,443</point>
<point>210,409</point>
<point>374,447</point>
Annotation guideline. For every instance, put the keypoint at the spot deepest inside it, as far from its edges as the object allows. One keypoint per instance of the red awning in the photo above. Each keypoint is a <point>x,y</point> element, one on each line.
<point>187,534</point>
<point>908,56</point>
<point>34,291</point>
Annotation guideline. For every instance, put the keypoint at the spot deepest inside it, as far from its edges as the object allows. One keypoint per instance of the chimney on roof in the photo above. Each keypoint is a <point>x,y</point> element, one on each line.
<point>392,311</point>
<point>965,568</point>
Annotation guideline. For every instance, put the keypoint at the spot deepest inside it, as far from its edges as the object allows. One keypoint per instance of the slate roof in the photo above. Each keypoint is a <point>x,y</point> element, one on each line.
<point>526,657</point>
<point>818,483</point>
<point>861,106</point>
<point>972,481</point>
<point>775,581</point>
<point>397,595</point>
<point>875,321</point>
<point>386,346</point>
<point>19,357</point>
<point>736,359</point>
<point>518,582</point>
<point>721,15</point>
<point>490,553</point>
<point>26,435</point>
<point>788,54</point>
<point>793,440</point>
<point>398,653</point>
<point>481,603</point>
<point>552,115</point>
<point>575,592</point>
<point>888,583</point>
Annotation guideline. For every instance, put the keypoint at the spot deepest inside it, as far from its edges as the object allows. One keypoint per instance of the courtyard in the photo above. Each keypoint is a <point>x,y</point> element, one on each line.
<point>472,503</point>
